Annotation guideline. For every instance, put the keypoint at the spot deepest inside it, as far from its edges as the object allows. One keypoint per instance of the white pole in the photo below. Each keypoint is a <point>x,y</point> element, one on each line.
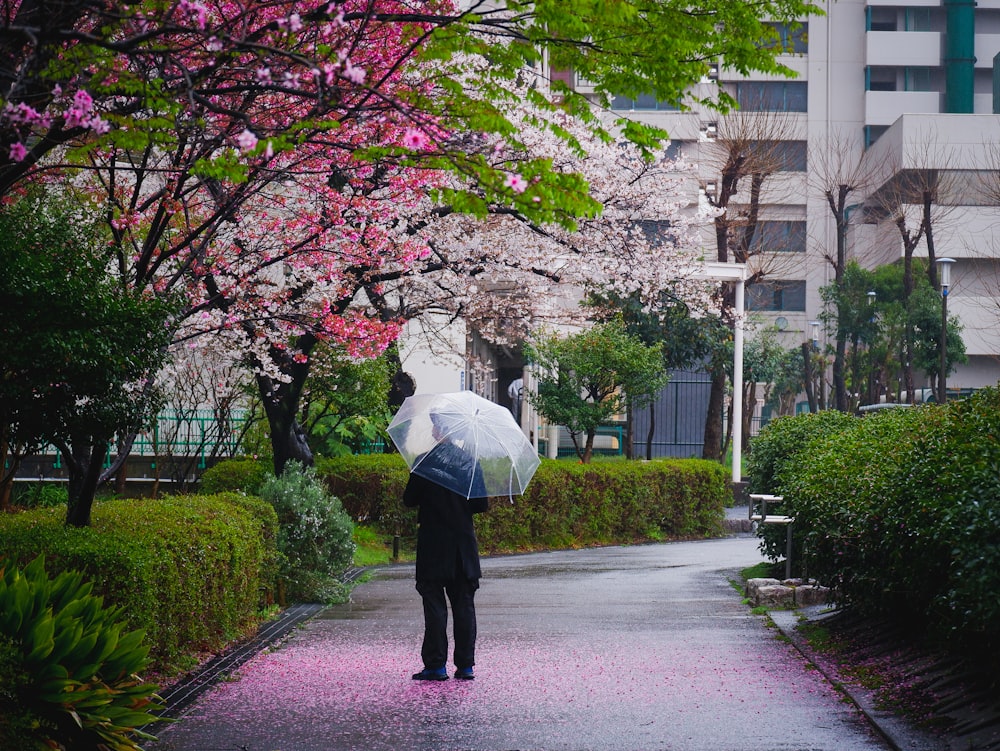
<point>738,384</point>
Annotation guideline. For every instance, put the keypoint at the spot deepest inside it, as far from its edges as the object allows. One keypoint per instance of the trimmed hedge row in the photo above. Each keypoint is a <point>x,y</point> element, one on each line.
<point>901,512</point>
<point>566,504</point>
<point>150,557</point>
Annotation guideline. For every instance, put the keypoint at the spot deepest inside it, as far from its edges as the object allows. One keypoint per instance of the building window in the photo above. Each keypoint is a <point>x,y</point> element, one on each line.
<point>880,19</point>
<point>772,96</point>
<point>779,236</point>
<point>786,156</point>
<point>790,40</point>
<point>918,19</point>
<point>644,103</point>
<point>917,79</point>
<point>880,78</point>
<point>680,149</point>
<point>873,133</point>
<point>658,232</point>
<point>777,296</point>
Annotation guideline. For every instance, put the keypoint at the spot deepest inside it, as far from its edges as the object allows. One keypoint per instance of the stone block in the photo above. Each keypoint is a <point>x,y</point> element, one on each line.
<point>811,594</point>
<point>753,585</point>
<point>774,596</point>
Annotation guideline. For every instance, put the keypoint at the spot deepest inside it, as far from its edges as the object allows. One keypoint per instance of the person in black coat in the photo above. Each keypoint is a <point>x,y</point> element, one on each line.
<point>447,565</point>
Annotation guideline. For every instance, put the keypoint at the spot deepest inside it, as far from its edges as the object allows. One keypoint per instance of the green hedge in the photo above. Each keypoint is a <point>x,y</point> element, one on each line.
<point>192,571</point>
<point>901,511</point>
<point>566,504</point>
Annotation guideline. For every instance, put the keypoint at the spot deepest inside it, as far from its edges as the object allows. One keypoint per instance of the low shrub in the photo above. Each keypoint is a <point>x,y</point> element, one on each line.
<point>314,535</point>
<point>370,487</point>
<point>566,504</point>
<point>835,488</point>
<point>191,571</point>
<point>233,475</point>
<point>68,670</point>
<point>780,442</point>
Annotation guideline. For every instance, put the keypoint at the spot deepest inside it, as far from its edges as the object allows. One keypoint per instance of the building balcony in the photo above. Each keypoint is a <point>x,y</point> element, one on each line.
<point>885,107</point>
<point>903,48</point>
<point>987,47</point>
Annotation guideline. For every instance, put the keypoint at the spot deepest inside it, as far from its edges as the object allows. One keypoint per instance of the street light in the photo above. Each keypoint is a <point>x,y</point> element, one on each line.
<point>814,333</point>
<point>944,273</point>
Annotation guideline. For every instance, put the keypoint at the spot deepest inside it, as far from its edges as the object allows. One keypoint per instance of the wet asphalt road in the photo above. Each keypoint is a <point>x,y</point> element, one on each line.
<point>612,649</point>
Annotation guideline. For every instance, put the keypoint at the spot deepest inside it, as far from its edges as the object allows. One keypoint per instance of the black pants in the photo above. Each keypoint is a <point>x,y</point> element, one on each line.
<point>461,593</point>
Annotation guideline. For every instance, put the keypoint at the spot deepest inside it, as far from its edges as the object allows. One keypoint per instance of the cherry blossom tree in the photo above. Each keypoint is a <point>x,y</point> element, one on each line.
<point>268,158</point>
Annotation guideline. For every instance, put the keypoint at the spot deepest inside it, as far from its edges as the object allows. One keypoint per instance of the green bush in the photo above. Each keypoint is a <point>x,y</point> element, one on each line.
<point>566,504</point>
<point>191,571</point>
<point>834,488</point>
<point>782,439</point>
<point>900,512</point>
<point>370,486</point>
<point>314,534</point>
<point>233,475</point>
<point>68,671</point>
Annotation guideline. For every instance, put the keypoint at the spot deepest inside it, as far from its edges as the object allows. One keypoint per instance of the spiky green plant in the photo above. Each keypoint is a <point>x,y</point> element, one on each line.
<point>68,675</point>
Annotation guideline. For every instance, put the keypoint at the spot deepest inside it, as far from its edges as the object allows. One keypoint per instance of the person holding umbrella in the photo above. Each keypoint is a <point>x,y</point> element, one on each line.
<point>447,559</point>
<point>461,450</point>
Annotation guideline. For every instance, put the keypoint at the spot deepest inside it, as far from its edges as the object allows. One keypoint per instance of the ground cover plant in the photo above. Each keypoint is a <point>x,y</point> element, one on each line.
<point>69,668</point>
<point>566,505</point>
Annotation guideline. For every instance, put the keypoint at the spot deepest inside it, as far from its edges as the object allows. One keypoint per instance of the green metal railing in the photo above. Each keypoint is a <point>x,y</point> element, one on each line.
<point>196,433</point>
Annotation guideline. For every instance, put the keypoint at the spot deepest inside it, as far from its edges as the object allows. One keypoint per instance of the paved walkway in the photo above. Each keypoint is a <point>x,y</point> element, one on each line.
<point>625,648</point>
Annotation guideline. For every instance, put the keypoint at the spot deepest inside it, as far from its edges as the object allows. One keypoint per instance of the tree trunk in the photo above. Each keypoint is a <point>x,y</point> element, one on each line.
<point>713,422</point>
<point>840,397</point>
<point>281,402</point>
<point>288,439</point>
<point>749,405</point>
<point>807,376</point>
<point>84,460</point>
<point>651,432</point>
<point>629,430</point>
<point>588,447</point>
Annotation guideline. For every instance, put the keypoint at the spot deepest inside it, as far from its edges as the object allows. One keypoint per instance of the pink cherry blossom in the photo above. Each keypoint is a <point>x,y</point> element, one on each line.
<point>516,183</point>
<point>18,152</point>
<point>414,139</point>
<point>247,141</point>
<point>353,73</point>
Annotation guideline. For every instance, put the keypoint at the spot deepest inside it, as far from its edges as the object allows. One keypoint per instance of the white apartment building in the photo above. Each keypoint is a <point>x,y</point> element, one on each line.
<point>892,88</point>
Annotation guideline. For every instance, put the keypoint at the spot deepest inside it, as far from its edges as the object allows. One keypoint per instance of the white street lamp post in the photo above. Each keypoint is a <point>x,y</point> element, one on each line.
<point>733,272</point>
<point>944,273</point>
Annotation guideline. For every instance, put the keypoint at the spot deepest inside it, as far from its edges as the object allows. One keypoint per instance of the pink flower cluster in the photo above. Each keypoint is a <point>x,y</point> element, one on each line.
<point>80,114</point>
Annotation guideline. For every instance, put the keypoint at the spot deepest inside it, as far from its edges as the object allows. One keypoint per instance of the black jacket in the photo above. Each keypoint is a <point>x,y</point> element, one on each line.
<point>446,538</point>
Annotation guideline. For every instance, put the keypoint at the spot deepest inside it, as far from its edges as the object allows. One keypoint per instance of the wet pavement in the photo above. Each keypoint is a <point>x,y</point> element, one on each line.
<point>622,648</point>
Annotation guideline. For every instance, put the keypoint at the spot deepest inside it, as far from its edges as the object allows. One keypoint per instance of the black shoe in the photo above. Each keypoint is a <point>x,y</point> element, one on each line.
<point>438,674</point>
<point>465,674</point>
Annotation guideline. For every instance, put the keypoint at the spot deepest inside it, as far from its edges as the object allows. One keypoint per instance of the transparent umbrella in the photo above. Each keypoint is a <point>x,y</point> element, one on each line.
<point>465,443</point>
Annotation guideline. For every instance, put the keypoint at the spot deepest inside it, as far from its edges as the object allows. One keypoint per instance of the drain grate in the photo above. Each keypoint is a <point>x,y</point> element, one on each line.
<point>183,693</point>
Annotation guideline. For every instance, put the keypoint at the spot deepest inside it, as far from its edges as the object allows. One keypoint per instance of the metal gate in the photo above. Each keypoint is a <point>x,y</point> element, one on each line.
<point>678,416</point>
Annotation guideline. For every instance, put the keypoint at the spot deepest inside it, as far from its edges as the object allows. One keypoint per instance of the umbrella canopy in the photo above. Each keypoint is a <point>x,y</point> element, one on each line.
<point>465,443</point>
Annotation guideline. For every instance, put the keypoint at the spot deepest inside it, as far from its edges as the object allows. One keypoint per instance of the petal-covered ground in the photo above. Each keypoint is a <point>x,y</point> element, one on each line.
<point>621,648</point>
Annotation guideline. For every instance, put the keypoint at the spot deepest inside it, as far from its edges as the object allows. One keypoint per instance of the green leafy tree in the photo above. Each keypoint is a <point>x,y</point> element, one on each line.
<point>902,322</point>
<point>765,364</point>
<point>80,349</point>
<point>684,341</point>
<point>345,401</point>
<point>587,378</point>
